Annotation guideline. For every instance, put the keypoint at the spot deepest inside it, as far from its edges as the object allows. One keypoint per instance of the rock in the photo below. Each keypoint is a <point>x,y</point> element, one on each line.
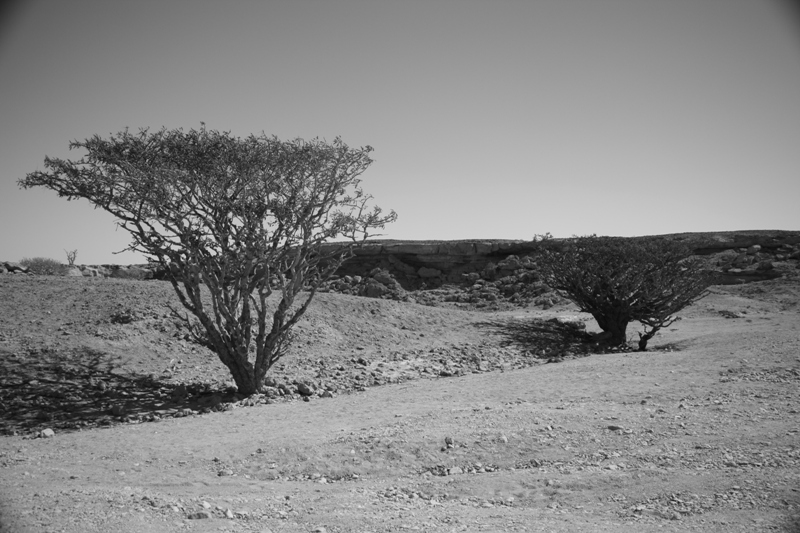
<point>199,515</point>
<point>118,410</point>
<point>375,289</point>
<point>228,514</point>
<point>224,473</point>
<point>47,433</point>
<point>765,265</point>
<point>74,272</point>
<point>752,250</point>
<point>285,389</point>
<point>90,272</point>
<point>426,272</point>
<point>455,470</point>
<point>15,268</point>
<point>383,277</point>
<point>305,389</point>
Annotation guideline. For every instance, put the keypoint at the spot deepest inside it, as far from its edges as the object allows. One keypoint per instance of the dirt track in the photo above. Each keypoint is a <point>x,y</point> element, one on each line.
<point>699,435</point>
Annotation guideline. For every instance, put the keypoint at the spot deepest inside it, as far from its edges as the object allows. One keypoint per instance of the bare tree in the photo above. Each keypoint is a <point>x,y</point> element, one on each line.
<point>71,256</point>
<point>621,280</point>
<point>245,218</point>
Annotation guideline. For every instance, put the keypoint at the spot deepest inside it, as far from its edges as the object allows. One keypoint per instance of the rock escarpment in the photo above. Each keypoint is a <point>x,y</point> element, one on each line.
<point>483,271</point>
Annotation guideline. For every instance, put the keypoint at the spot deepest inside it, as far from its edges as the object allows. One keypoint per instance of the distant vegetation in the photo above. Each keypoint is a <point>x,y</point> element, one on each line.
<point>44,266</point>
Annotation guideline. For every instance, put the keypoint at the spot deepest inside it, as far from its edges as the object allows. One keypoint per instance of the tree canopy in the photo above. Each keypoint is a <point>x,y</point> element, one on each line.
<point>243,217</point>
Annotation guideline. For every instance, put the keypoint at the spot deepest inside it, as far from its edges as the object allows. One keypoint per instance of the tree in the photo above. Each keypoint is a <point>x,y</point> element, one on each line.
<point>242,218</point>
<point>71,255</point>
<point>621,280</point>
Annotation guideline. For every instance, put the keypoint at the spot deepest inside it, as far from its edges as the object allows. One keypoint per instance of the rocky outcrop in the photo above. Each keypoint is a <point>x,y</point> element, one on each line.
<point>485,270</point>
<point>9,267</point>
<point>430,264</point>
<point>736,257</point>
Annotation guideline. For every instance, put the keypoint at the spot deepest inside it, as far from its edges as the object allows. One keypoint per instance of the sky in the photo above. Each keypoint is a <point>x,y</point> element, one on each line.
<point>489,119</point>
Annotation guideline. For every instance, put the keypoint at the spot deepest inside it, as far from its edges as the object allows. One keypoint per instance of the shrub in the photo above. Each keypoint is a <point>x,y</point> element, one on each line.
<point>44,267</point>
<point>621,280</point>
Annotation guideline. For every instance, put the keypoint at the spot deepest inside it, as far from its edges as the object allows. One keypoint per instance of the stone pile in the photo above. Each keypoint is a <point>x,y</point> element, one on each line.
<point>755,262</point>
<point>9,267</point>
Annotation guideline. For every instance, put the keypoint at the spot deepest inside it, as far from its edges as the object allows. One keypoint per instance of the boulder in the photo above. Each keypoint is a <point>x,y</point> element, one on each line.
<point>383,277</point>
<point>15,268</point>
<point>373,289</point>
<point>305,389</point>
<point>74,272</point>
<point>754,249</point>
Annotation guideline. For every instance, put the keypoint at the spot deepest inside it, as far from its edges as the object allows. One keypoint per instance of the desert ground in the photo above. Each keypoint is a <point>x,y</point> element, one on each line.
<point>414,418</point>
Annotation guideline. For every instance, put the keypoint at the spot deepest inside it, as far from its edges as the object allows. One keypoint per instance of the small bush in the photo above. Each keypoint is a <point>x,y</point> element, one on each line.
<point>43,266</point>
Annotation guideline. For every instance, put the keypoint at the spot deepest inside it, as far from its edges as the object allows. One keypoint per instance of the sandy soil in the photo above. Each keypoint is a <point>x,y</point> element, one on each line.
<point>440,419</point>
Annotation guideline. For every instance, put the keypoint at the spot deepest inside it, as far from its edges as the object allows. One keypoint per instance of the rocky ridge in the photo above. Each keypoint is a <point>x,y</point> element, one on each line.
<point>493,273</point>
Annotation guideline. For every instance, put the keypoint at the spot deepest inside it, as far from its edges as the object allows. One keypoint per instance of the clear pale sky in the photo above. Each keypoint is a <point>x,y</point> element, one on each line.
<point>489,119</point>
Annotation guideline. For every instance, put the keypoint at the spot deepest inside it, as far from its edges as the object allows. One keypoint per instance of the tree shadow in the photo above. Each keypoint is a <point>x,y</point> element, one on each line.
<point>545,339</point>
<point>41,389</point>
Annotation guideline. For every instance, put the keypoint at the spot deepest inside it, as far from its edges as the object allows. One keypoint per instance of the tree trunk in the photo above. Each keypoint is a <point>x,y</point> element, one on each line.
<point>643,338</point>
<point>246,382</point>
<point>243,374</point>
<point>614,327</point>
